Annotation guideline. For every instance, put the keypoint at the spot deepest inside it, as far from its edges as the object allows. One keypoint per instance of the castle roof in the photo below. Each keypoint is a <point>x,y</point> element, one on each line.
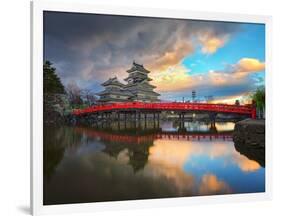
<point>115,92</point>
<point>137,67</point>
<point>137,77</point>
<point>140,84</point>
<point>113,81</point>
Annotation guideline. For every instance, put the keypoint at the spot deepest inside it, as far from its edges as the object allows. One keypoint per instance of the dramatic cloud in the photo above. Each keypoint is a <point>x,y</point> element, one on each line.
<point>92,47</point>
<point>234,78</point>
<point>171,58</point>
<point>172,79</point>
<point>250,65</point>
<point>210,45</point>
<point>236,73</point>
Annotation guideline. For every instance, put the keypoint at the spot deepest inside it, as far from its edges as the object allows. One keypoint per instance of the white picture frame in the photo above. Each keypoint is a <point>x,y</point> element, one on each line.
<point>37,8</point>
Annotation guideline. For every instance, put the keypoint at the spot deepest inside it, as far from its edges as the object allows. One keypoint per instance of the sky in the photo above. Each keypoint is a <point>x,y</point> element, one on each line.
<point>225,60</point>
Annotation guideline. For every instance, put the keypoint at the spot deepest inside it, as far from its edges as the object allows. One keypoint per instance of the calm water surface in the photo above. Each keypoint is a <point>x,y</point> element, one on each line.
<point>124,162</point>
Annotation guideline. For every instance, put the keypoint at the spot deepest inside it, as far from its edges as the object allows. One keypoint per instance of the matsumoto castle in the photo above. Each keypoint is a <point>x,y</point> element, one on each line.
<point>137,87</point>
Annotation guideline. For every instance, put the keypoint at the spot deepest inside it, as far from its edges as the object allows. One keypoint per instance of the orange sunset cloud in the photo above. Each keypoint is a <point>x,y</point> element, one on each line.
<point>250,65</point>
<point>177,77</point>
<point>172,79</point>
<point>211,44</point>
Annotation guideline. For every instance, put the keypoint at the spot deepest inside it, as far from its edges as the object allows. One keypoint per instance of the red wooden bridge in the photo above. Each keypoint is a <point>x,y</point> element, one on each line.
<point>249,110</point>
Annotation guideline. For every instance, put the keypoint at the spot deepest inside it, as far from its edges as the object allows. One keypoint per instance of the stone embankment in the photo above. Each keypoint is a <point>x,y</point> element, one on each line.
<point>55,108</point>
<point>249,139</point>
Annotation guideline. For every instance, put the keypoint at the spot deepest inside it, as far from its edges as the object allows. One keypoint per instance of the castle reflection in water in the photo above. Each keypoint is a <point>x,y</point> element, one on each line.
<point>123,162</point>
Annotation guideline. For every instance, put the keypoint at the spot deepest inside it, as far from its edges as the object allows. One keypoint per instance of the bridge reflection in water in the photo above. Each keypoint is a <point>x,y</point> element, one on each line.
<point>111,162</point>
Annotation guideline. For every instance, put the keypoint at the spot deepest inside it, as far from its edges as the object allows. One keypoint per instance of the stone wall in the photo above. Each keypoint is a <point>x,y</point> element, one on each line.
<point>249,139</point>
<point>250,132</point>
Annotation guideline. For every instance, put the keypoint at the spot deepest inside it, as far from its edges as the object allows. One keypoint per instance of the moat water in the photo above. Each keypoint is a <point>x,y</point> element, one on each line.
<point>118,161</point>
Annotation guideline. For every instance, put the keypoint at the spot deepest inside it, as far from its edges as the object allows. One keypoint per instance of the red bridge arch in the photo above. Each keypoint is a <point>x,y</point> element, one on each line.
<point>170,106</point>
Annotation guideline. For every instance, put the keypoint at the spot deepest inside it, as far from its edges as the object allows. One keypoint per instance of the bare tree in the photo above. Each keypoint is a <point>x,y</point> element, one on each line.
<point>78,96</point>
<point>88,97</point>
<point>74,93</point>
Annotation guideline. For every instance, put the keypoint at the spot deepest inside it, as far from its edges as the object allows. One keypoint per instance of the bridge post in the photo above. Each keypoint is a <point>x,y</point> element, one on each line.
<point>213,128</point>
<point>118,120</point>
<point>110,115</point>
<point>138,113</point>
<point>93,118</point>
<point>212,117</point>
<point>135,119</point>
<point>118,116</point>
<point>90,118</point>
<point>254,113</point>
<point>125,119</point>
<point>158,119</point>
<point>181,122</point>
<point>145,115</point>
<point>154,117</point>
<point>181,125</point>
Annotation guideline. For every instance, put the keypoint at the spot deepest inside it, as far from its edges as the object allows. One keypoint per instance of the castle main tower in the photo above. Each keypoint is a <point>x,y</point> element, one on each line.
<point>138,84</point>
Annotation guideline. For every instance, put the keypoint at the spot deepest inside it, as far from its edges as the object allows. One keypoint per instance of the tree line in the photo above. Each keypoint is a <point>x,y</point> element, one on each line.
<point>259,99</point>
<point>77,97</point>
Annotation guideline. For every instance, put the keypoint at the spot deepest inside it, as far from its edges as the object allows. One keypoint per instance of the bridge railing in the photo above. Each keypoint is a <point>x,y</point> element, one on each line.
<point>172,106</point>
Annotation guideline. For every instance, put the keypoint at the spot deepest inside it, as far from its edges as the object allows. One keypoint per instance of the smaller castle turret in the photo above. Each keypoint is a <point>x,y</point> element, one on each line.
<point>114,92</point>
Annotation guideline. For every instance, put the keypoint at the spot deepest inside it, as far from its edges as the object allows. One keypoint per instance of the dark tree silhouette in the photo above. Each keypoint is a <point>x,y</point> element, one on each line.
<point>52,83</point>
<point>237,102</point>
<point>259,98</point>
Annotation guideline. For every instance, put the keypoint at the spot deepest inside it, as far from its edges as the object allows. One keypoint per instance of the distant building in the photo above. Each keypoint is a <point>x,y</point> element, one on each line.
<point>193,94</point>
<point>137,87</point>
